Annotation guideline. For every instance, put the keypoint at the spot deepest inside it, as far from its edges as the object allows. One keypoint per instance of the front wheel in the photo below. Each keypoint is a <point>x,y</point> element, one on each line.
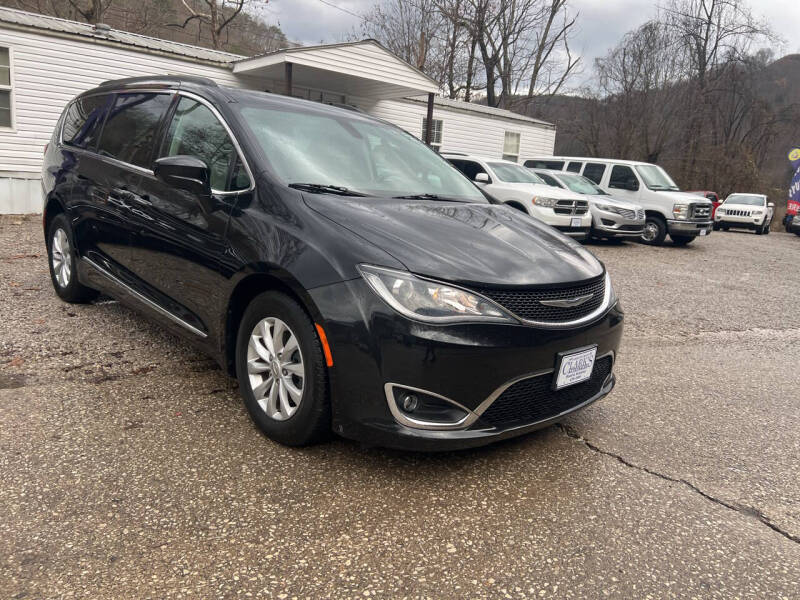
<point>655,230</point>
<point>682,240</point>
<point>281,371</point>
<point>63,262</point>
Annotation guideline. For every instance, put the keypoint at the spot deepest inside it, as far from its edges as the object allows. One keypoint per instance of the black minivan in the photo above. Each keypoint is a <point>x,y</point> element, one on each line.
<point>349,277</point>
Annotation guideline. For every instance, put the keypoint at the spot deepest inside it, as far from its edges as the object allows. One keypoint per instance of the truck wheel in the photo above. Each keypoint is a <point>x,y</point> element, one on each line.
<point>681,240</point>
<point>655,230</point>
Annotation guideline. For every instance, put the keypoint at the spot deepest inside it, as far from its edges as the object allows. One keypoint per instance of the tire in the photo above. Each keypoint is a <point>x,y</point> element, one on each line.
<point>298,420</point>
<point>655,230</point>
<point>63,260</point>
<point>682,240</point>
<point>767,225</point>
<point>725,227</point>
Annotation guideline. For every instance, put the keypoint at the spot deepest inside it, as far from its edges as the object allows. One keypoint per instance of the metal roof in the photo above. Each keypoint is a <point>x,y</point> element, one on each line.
<point>482,108</point>
<point>22,18</point>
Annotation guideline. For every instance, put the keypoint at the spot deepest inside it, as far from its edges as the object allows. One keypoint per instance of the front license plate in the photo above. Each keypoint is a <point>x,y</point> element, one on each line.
<point>575,222</point>
<point>574,366</point>
<point>703,231</point>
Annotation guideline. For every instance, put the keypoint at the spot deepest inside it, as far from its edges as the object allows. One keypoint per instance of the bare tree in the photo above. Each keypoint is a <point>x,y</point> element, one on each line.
<point>217,15</point>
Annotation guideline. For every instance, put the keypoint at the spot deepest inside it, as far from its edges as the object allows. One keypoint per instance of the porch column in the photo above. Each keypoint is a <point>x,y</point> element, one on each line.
<point>288,77</point>
<point>429,128</point>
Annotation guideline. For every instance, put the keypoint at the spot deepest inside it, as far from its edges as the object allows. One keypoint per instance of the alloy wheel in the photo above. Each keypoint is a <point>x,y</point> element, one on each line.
<point>650,231</point>
<point>61,257</point>
<point>275,368</point>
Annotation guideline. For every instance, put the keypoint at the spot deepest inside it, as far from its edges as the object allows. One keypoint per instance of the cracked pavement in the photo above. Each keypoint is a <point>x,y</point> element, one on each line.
<point>129,467</point>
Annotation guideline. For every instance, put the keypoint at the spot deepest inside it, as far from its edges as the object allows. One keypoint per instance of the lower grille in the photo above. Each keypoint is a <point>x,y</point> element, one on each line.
<point>526,304</point>
<point>533,400</point>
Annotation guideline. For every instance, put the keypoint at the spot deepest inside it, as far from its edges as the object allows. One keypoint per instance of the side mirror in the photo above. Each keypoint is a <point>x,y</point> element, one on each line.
<point>481,178</point>
<point>770,205</point>
<point>631,185</point>
<point>184,172</point>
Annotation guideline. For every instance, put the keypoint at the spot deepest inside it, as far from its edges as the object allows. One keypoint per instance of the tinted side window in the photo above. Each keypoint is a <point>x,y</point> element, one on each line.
<point>594,171</point>
<point>553,165</point>
<point>83,120</point>
<point>195,131</point>
<point>574,167</point>
<point>471,169</point>
<point>131,126</point>
<point>622,177</point>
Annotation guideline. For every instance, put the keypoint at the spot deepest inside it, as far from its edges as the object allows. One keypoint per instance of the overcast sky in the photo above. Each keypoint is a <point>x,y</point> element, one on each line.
<point>601,22</point>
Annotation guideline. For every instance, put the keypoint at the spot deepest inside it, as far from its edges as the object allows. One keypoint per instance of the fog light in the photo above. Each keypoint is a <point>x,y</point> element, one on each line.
<point>409,402</point>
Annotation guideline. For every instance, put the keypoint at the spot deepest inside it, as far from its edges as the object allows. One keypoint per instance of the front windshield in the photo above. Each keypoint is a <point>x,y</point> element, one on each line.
<point>511,173</point>
<point>581,185</point>
<point>339,148</point>
<point>656,178</point>
<point>746,199</point>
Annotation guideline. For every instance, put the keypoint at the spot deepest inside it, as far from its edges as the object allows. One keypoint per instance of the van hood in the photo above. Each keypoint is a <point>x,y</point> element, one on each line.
<point>481,244</point>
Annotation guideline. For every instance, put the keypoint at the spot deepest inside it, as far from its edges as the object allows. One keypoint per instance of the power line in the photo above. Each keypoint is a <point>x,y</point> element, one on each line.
<point>344,10</point>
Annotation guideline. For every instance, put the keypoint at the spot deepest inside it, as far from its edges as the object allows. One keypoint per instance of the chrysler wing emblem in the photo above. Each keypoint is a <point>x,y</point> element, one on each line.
<point>567,302</point>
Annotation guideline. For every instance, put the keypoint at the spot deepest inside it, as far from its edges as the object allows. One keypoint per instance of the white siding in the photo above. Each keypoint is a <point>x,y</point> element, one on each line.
<point>20,194</point>
<point>465,131</point>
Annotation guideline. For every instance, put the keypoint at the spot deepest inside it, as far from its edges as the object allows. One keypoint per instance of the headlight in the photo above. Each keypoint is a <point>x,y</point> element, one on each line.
<point>720,211</point>
<point>758,212</point>
<point>680,211</point>
<point>544,202</point>
<point>429,300</point>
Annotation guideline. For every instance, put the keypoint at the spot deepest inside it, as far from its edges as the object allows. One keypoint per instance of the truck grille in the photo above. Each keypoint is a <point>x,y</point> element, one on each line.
<point>701,211</point>
<point>526,304</point>
<point>532,400</point>
<point>571,207</point>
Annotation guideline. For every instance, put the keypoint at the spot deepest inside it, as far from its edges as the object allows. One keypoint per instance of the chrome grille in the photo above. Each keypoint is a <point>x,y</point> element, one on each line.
<point>737,212</point>
<point>526,304</point>
<point>640,214</point>
<point>571,207</point>
<point>627,213</point>
<point>701,211</point>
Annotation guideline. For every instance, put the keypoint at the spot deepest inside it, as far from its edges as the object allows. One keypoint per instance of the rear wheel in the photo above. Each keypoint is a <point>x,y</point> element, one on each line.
<point>655,230</point>
<point>682,240</point>
<point>281,371</point>
<point>63,262</point>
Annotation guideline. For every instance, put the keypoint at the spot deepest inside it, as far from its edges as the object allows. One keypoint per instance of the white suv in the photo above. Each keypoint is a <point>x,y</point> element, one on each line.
<point>519,187</point>
<point>749,211</point>
<point>682,215</point>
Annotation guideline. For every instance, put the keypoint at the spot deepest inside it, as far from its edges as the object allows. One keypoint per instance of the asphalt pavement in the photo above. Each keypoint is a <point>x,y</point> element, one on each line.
<point>129,467</point>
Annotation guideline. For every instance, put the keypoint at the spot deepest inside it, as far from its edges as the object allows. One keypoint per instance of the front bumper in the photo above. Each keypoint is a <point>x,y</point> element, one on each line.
<point>691,228</point>
<point>751,222</point>
<point>466,363</point>
<point>609,224</point>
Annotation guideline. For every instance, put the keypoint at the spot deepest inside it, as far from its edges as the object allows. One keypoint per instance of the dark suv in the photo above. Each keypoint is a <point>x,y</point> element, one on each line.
<point>350,278</point>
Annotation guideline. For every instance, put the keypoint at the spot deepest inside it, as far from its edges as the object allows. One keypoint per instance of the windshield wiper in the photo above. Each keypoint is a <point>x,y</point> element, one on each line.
<point>426,196</point>
<point>321,188</point>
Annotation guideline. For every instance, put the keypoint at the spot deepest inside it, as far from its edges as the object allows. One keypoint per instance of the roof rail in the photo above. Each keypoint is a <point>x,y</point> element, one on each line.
<point>160,80</point>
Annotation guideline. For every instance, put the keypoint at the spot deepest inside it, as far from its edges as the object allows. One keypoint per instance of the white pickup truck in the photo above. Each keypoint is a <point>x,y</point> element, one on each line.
<point>682,215</point>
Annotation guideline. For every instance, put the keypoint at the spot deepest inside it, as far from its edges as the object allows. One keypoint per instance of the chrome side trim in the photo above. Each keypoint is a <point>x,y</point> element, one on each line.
<point>404,419</point>
<point>484,406</point>
<point>157,307</point>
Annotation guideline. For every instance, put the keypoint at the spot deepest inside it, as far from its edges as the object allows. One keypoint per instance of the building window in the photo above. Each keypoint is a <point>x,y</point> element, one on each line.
<point>511,146</point>
<point>436,134</point>
<point>5,88</point>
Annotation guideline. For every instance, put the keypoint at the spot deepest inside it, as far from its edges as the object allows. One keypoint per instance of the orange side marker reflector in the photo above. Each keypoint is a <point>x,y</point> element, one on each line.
<point>326,349</point>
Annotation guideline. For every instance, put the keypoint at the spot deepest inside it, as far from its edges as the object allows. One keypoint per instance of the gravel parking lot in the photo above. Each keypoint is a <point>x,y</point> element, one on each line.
<point>129,467</point>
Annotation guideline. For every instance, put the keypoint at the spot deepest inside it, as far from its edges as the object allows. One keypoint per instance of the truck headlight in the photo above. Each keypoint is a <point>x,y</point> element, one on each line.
<point>758,212</point>
<point>720,211</point>
<point>430,301</point>
<point>544,202</point>
<point>680,211</point>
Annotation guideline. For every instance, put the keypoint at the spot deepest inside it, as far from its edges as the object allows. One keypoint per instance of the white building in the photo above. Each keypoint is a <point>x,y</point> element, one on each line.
<point>45,61</point>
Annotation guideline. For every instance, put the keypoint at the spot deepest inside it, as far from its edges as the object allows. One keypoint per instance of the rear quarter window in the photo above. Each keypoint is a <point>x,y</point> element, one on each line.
<point>83,120</point>
<point>594,171</point>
